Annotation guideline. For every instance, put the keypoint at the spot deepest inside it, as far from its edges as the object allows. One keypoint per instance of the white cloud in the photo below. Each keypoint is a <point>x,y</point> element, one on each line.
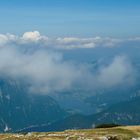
<point>31,36</point>
<point>3,39</point>
<point>120,71</point>
<point>8,38</point>
<point>46,70</point>
<point>35,37</point>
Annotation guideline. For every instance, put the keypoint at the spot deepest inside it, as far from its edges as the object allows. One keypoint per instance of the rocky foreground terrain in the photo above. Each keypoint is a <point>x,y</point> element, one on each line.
<point>116,133</point>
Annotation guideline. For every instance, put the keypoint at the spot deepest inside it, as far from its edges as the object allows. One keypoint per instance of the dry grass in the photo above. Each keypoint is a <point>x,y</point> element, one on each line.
<point>117,133</point>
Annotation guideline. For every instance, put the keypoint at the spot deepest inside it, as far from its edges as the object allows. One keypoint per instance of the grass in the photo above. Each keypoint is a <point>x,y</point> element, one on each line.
<point>116,133</point>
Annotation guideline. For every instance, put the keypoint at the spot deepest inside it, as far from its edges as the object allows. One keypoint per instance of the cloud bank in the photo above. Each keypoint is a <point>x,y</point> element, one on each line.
<point>36,39</point>
<point>119,72</point>
<point>45,69</point>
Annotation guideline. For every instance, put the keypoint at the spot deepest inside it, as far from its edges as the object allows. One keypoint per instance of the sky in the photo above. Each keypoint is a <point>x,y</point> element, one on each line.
<point>86,18</point>
<point>43,42</point>
<point>87,46</point>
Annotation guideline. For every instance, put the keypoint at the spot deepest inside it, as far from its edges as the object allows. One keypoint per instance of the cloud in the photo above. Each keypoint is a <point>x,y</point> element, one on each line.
<point>87,42</point>
<point>31,36</point>
<point>8,38</point>
<point>41,68</point>
<point>46,70</point>
<point>35,38</point>
<point>119,72</point>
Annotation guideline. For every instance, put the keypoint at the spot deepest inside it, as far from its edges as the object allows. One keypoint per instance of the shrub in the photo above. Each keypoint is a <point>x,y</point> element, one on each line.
<point>107,125</point>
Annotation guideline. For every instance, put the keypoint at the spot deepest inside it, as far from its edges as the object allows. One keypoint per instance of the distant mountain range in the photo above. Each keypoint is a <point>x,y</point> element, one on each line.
<point>123,113</point>
<point>23,112</point>
<point>18,109</point>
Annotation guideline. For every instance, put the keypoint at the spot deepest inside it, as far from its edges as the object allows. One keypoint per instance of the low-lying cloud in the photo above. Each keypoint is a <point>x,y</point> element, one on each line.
<point>119,72</point>
<point>47,71</point>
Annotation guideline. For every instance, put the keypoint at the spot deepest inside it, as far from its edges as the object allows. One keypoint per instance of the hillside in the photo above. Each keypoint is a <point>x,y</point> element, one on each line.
<point>18,109</point>
<point>124,113</point>
<point>116,133</point>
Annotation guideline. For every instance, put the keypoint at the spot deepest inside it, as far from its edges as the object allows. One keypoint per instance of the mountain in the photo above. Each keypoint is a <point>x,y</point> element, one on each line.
<point>76,121</point>
<point>126,113</point>
<point>87,102</point>
<point>123,113</point>
<point>23,111</point>
<point>19,109</point>
<point>74,101</point>
<point>105,98</point>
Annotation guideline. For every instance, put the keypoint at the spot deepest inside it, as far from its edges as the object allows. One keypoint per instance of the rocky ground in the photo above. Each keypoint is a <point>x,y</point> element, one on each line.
<point>117,133</point>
